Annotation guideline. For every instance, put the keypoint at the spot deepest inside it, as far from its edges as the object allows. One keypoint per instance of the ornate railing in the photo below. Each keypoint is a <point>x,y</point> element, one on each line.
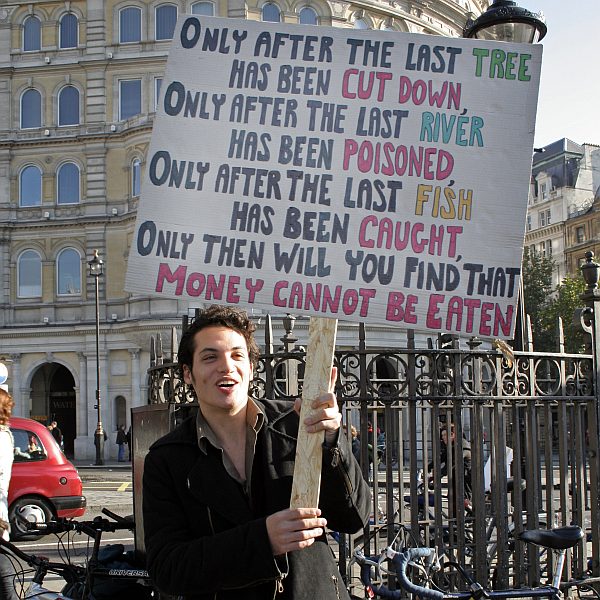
<point>537,405</point>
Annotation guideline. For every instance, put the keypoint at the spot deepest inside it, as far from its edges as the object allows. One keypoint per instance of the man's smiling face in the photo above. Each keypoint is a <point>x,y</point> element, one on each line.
<point>221,371</point>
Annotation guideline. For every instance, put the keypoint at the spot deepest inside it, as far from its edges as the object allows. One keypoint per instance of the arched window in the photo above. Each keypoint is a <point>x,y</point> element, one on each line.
<point>308,16</point>
<point>68,106</point>
<point>68,272</point>
<point>360,24</point>
<point>130,25</point>
<point>166,17</point>
<point>68,191</point>
<point>31,109</point>
<point>68,31</point>
<point>136,177</point>
<point>271,13</point>
<point>30,186</point>
<point>203,8</point>
<point>29,275</point>
<point>32,34</point>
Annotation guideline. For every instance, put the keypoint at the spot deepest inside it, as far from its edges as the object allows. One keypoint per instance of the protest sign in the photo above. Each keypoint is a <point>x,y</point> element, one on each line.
<point>370,176</point>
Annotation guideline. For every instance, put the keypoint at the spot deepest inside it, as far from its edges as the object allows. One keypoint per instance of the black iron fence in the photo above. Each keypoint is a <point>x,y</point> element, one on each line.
<point>521,452</point>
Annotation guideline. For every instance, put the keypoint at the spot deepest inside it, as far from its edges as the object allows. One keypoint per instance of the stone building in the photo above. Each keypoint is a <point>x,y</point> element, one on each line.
<point>564,178</point>
<point>78,89</point>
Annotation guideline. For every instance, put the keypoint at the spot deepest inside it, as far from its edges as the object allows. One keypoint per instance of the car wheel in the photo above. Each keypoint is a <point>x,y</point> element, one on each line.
<point>29,508</point>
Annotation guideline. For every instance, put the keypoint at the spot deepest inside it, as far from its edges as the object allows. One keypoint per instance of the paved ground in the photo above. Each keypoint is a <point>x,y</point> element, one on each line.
<point>107,486</point>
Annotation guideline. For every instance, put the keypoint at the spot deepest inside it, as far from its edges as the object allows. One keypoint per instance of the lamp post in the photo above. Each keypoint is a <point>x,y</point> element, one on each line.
<point>96,266</point>
<point>506,21</point>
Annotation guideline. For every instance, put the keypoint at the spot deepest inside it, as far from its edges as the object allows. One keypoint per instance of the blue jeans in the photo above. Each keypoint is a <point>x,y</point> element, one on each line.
<point>8,580</point>
<point>121,455</point>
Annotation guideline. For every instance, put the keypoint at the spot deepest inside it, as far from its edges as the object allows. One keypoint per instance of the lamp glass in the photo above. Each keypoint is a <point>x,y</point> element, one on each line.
<point>524,33</point>
<point>96,266</point>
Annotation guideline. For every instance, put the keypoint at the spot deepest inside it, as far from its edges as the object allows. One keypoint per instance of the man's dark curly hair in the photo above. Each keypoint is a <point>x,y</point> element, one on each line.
<point>218,316</point>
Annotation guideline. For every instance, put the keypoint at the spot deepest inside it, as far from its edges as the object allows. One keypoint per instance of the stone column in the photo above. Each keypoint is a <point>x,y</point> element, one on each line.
<point>15,388</point>
<point>135,378</point>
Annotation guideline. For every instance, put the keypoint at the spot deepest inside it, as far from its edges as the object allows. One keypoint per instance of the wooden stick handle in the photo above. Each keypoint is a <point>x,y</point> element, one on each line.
<point>317,378</point>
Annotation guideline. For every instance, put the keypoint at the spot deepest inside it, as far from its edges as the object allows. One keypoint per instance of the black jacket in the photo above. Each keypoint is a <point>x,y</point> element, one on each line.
<point>205,539</point>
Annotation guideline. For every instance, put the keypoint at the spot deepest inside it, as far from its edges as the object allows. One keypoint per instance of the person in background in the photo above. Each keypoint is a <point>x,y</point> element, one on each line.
<point>33,445</point>
<point>7,569</point>
<point>121,441</point>
<point>129,442</point>
<point>219,485</point>
<point>355,442</point>
<point>56,433</point>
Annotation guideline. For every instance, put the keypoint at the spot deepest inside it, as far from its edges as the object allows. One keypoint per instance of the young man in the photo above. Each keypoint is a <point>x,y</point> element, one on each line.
<point>216,490</point>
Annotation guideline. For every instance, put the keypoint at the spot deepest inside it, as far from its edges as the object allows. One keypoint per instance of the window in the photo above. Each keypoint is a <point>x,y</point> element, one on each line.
<point>528,222</point>
<point>130,25</point>
<point>68,106</point>
<point>136,177</point>
<point>544,218</point>
<point>203,8</point>
<point>544,191</point>
<point>157,86</point>
<point>270,12</point>
<point>308,16</point>
<point>28,446</point>
<point>130,98</point>
<point>360,24</point>
<point>68,31</point>
<point>29,275</point>
<point>548,250</point>
<point>580,234</point>
<point>32,34</point>
<point>30,186</point>
<point>31,109</point>
<point>166,17</point>
<point>68,184</point>
<point>68,272</point>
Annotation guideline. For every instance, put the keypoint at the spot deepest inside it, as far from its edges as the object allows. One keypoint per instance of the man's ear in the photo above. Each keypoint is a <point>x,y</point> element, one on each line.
<point>187,375</point>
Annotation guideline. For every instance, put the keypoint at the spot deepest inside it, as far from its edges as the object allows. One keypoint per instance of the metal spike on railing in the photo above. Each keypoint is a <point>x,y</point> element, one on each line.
<point>152,351</point>
<point>159,350</point>
<point>174,344</point>
<point>561,335</point>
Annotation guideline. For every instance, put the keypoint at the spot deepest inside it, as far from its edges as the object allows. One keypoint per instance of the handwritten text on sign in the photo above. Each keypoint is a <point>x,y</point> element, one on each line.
<point>362,175</point>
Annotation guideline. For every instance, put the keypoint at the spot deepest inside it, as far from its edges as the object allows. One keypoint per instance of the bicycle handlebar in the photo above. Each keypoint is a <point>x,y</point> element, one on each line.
<point>401,560</point>
<point>62,525</point>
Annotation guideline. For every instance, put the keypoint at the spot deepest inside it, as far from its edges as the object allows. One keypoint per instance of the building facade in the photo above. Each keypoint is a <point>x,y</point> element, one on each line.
<point>79,82</point>
<point>565,177</point>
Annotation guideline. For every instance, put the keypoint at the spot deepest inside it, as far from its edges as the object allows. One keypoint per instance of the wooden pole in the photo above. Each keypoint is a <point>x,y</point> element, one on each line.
<point>317,378</point>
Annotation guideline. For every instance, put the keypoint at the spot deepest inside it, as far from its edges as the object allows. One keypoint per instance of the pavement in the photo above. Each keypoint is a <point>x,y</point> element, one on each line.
<point>106,486</point>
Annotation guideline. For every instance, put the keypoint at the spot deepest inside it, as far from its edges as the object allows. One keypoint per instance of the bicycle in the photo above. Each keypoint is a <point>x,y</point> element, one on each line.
<point>107,575</point>
<point>424,563</point>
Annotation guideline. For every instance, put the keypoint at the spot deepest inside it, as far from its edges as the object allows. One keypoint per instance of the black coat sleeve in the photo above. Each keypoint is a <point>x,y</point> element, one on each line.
<point>345,496</point>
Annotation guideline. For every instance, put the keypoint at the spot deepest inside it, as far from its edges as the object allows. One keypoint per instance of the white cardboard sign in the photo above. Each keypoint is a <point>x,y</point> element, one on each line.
<point>368,176</point>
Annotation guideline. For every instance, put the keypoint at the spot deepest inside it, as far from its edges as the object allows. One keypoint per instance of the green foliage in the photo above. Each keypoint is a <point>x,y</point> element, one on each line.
<point>545,304</point>
<point>537,291</point>
<point>563,304</point>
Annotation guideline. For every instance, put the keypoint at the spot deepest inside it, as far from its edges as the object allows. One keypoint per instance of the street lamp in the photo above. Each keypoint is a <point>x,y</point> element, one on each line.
<point>506,21</point>
<point>96,266</point>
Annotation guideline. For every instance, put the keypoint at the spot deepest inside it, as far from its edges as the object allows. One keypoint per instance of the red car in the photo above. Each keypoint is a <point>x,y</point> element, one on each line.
<point>44,484</point>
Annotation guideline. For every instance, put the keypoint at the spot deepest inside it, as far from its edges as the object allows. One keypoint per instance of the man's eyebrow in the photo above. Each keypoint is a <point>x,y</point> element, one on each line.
<point>209,349</point>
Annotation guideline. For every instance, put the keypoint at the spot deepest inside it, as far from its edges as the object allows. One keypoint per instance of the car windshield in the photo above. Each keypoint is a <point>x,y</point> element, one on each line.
<point>28,446</point>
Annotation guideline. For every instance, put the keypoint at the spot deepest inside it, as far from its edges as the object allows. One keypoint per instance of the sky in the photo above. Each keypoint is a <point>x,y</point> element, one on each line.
<point>569,100</point>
